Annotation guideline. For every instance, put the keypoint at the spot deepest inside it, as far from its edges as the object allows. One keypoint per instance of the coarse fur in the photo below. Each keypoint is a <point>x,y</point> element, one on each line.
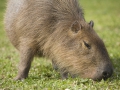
<point>57,30</point>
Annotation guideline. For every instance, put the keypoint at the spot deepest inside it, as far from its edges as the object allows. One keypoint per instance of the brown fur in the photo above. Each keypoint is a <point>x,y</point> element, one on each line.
<point>56,29</point>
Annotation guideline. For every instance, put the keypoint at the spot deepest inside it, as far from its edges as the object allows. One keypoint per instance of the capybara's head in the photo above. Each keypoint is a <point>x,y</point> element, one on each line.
<point>81,52</point>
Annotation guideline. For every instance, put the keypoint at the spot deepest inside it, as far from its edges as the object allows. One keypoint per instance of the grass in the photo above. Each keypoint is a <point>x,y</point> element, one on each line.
<point>106,16</point>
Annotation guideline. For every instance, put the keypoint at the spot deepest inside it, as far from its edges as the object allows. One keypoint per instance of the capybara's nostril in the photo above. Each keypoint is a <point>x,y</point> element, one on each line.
<point>105,74</point>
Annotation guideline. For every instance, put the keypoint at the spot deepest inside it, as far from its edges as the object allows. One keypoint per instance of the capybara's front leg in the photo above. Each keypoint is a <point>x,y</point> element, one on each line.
<point>64,75</point>
<point>54,65</point>
<point>26,57</point>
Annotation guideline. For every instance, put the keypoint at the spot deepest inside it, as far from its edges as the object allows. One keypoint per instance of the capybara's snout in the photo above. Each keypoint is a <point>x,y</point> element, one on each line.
<point>104,73</point>
<point>107,72</point>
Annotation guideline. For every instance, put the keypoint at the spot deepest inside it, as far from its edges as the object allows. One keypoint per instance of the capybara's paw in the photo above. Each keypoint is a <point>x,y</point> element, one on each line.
<point>20,78</point>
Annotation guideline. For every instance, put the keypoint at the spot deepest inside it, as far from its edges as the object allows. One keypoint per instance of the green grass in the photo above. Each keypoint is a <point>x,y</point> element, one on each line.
<point>106,16</point>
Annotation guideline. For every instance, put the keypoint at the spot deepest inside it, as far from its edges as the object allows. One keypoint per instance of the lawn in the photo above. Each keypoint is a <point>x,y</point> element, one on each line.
<point>106,16</point>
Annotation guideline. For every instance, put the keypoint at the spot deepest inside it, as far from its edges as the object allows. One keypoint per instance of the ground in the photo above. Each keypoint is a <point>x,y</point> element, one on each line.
<point>106,16</point>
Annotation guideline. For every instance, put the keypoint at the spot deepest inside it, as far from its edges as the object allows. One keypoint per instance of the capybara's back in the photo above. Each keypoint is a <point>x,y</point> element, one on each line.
<point>57,30</point>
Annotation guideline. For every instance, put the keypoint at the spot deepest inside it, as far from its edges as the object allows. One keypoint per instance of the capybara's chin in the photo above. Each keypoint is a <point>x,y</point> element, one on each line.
<point>56,29</point>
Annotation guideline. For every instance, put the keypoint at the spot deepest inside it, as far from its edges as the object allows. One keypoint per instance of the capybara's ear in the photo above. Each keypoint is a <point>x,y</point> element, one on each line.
<point>75,27</point>
<point>91,23</point>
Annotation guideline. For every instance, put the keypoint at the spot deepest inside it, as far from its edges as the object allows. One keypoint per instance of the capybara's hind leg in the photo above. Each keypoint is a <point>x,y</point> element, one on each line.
<point>26,57</point>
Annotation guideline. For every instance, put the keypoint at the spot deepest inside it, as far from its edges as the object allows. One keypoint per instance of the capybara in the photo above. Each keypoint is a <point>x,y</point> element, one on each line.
<point>57,30</point>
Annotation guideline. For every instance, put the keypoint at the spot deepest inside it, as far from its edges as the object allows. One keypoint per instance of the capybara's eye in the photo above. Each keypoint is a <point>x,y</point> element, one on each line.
<point>87,45</point>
